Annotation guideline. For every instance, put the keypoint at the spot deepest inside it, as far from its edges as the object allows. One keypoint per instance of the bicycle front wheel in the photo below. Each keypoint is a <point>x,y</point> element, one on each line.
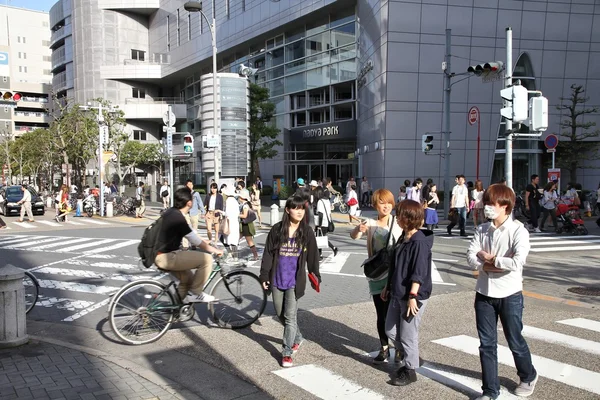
<point>32,289</point>
<point>344,208</point>
<point>241,300</point>
<point>142,312</point>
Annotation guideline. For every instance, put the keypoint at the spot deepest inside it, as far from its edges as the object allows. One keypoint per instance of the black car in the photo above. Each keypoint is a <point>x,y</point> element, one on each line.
<point>13,194</point>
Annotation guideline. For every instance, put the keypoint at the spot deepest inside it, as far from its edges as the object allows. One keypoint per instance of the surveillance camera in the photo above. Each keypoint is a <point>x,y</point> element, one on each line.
<point>247,71</point>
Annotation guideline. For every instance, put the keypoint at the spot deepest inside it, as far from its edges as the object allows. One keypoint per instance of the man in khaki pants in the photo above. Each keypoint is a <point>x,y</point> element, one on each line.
<point>25,203</point>
<point>178,262</point>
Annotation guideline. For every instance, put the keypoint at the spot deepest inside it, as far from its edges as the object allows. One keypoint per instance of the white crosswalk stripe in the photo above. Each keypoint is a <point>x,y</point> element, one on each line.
<point>567,374</point>
<point>45,224</point>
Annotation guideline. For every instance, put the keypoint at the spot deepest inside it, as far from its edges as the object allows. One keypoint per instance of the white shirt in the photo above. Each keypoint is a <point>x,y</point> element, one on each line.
<point>549,200</point>
<point>138,193</point>
<point>163,188</point>
<point>460,194</point>
<point>26,196</point>
<point>478,197</point>
<point>323,206</point>
<point>510,244</point>
<point>106,189</point>
<point>364,186</point>
<point>348,185</point>
<point>212,202</point>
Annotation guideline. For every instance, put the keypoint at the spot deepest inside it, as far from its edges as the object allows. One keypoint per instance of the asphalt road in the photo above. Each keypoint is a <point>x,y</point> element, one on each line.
<point>80,266</point>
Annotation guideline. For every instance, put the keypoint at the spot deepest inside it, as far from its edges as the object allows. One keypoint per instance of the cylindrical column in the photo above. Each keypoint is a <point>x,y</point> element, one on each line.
<point>446,141</point>
<point>109,209</point>
<point>215,115</point>
<point>274,214</point>
<point>13,329</point>
<point>508,122</point>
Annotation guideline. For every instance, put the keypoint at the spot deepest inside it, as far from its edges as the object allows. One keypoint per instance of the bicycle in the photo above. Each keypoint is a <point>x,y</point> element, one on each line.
<point>143,311</point>
<point>32,290</point>
<point>339,201</point>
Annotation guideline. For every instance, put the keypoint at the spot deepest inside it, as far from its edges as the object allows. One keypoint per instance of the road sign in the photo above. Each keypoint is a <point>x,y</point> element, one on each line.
<point>170,144</point>
<point>212,141</point>
<point>551,151</point>
<point>169,118</point>
<point>473,115</point>
<point>170,130</point>
<point>551,141</point>
<point>553,174</point>
<point>104,134</point>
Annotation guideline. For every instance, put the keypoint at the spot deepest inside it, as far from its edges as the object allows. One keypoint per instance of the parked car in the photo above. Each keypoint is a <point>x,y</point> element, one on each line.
<point>13,194</point>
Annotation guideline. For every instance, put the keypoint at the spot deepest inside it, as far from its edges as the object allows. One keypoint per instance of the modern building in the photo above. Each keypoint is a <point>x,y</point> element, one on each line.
<point>24,69</point>
<point>145,54</point>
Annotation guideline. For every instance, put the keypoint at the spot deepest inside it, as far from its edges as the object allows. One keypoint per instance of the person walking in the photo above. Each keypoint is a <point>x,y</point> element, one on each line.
<point>415,192</point>
<point>247,218</point>
<point>25,204</point>
<point>165,194</point>
<point>499,252</point>
<point>549,205</point>
<point>290,252</point>
<point>255,201</point>
<point>381,233</point>
<point>259,184</point>
<point>477,201</point>
<point>532,202</point>
<point>194,212</point>
<point>59,198</point>
<point>2,223</point>
<point>232,214</point>
<point>433,201</point>
<point>139,197</point>
<point>352,202</point>
<point>324,218</point>
<point>214,208</point>
<point>365,188</point>
<point>460,202</point>
<point>408,288</point>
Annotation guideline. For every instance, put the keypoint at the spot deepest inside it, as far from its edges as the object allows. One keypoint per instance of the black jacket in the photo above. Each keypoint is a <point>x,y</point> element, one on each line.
<point>308,258</point>
<point>218,202</point>
<point>412,264</point>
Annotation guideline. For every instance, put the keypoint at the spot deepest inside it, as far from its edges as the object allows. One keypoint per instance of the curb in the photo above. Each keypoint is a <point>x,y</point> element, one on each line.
<point>164,383</point>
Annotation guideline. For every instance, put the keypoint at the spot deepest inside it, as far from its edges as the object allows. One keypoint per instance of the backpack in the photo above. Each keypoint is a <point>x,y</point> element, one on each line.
<point>147,249</point>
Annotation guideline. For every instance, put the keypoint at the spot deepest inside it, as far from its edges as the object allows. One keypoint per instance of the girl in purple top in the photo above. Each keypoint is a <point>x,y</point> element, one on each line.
<point>290,250</point>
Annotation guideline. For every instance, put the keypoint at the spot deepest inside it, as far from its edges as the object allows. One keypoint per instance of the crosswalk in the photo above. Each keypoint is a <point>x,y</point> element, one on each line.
<point>325,384</point>
<point>45,224</point>
<point>547,242</point>
<point>63,244</point>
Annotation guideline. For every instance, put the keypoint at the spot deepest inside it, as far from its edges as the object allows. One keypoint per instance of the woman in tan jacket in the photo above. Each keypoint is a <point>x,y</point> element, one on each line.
<point>378,237</point>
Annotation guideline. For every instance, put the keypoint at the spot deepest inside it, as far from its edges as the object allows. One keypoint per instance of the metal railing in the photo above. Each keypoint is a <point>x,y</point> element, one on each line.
<point>153,59</point>
<point>155,100</point>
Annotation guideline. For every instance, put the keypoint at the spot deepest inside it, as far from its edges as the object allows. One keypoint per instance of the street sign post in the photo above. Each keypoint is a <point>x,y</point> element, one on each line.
<point>551,142</point>
<point>474,117</point>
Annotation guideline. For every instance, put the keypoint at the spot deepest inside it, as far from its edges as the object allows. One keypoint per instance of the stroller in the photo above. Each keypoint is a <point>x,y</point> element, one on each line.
<point>569,219</point>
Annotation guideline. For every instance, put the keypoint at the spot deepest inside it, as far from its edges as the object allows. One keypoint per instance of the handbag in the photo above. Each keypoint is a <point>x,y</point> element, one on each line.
<point>322,240</point>
<point>376,266</point>
<point>352,202</point>
<point>224,226</point>
<point>330,225</point>
<point>250,218</point>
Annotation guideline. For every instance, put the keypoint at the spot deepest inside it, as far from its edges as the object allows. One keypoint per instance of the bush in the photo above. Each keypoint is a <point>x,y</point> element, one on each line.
<point>285,192</point>
<point>200,190</point>
<point>267,190</point>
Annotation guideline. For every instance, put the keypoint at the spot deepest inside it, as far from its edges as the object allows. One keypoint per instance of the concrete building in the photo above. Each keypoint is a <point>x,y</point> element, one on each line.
<point>145,54</point>
<point>24,69</point>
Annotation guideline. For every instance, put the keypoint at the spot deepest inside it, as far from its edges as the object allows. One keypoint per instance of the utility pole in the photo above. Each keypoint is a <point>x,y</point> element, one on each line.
<point>507,121</point>
<point>447,92</point>
<point>169,120</point>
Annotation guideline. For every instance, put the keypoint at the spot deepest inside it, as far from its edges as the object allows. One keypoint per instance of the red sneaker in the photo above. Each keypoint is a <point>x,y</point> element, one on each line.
<point>296,346</point>
<point>287,362</point>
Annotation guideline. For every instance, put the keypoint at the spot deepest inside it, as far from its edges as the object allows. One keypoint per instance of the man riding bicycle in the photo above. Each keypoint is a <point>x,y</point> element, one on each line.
<point>180,263</point>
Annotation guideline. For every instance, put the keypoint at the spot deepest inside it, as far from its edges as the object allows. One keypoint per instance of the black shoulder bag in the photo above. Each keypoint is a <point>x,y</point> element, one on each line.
<point>379,263</point>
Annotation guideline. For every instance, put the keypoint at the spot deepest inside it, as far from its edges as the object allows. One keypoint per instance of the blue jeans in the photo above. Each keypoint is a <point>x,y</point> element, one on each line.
<point>286,308</point>
<point>462,219</point>
<point>510,311</point>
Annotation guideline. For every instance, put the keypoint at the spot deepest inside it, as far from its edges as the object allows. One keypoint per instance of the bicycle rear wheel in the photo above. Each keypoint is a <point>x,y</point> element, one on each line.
<point>344,208</point>
<point>142,312</point>
<point>241,300</point>
<point>32,289</point>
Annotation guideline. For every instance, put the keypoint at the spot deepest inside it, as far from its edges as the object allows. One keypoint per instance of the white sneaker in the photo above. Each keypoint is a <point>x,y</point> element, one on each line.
<point>537,230</point>
<point>199,298</point>
<point>526,389</point>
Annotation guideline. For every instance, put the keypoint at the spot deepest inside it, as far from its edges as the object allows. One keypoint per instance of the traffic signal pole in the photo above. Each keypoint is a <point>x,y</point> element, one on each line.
<point>507,121</point>
<point>447,91</point>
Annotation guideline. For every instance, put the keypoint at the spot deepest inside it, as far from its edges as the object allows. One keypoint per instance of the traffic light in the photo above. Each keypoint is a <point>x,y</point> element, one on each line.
<point>188,144</point>
<point>427,143</point>
<point>518,110</point>
<point>10,96</point>
<point>489,67</point>
<point>538,114</point>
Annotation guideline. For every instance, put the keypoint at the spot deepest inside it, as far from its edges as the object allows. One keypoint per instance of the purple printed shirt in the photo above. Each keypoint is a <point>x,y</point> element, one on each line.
<point>285,274</point>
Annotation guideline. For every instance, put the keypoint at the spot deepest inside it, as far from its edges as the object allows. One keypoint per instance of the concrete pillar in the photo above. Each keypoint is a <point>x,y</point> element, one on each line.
<point>109,209</point>
<point>13,329</point>
<point>274,214</point>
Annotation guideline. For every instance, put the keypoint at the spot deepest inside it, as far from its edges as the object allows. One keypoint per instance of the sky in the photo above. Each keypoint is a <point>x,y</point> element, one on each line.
<point>41,5</point>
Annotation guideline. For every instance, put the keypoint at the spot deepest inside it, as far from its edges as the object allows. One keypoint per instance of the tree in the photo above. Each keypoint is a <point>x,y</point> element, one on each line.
<point>6,139</point>
<point>574,150</point>
<point>141,155</point>
<point>263,135</point>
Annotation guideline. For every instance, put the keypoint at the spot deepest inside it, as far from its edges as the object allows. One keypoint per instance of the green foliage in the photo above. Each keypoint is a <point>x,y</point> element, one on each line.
<point>263,135</point>
<point>285,192</point>
<point>574,150</point>
<point>267,190</point>
<point>138,154</point>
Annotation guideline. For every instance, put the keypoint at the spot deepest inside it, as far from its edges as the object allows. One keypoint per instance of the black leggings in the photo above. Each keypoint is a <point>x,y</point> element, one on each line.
<point>381,308</point>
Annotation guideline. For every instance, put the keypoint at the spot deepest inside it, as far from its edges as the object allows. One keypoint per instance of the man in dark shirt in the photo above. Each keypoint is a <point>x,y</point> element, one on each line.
<point>180,263</point>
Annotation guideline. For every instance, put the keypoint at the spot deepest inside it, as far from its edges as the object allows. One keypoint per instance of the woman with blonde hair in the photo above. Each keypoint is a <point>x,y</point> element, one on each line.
<point>381,232</point>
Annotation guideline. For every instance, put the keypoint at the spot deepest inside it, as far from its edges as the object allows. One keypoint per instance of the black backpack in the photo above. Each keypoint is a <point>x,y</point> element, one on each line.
<point>147,248</point>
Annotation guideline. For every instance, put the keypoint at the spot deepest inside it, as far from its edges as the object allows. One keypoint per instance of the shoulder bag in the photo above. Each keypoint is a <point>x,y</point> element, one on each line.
<point>379,263</point>
<point>251,217</point>
<point>330,225</point>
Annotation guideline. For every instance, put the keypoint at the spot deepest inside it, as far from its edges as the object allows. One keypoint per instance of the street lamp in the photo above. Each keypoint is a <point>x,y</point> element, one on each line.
<point>196,6</point>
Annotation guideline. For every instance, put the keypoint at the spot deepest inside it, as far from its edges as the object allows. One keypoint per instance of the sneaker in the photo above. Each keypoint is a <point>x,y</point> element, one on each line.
<point>537,230</point>
<point>484,397</point>
<point>463,233</point>
<point>525,389</point>
<point>287,362</point>
<point>449,231</point>
<point>404,376</point>
<point>296,346</point>
<point>383,355</point>
<point>199,298</point>
<point>335,251</point>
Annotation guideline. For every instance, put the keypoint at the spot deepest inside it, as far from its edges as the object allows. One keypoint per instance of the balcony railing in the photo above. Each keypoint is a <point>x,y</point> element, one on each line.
<point>30,114</point>
<point>59,81</point>
<point>155,100</point>
<point>154,59</point>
